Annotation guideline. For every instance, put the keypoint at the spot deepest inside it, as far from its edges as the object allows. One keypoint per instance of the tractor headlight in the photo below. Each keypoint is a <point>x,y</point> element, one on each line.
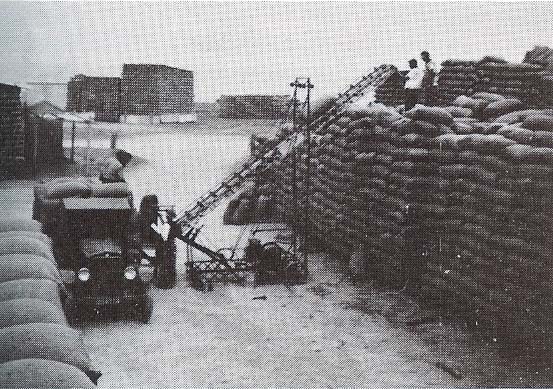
<point>83,274</point>
<point>130,273</point>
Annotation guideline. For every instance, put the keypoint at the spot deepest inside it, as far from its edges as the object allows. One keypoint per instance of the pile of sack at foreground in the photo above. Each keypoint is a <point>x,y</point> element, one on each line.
<point>37,346</point>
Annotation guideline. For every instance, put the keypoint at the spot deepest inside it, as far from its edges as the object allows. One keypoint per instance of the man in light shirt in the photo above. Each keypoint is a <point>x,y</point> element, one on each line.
<point>413,84</point>
<point>430,80</point>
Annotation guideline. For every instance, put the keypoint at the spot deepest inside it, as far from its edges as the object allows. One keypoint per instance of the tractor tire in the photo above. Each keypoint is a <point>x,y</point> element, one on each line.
<point>166,274</point>
<point>72,311</point>
<point>145,310</point>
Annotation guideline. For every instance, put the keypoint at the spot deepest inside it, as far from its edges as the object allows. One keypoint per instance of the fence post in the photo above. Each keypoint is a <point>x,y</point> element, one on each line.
<point>72,153</point>
<point>113,142</point>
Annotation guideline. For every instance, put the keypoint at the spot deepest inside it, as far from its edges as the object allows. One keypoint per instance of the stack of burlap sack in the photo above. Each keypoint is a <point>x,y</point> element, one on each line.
<point>48,196</point>
<point>455,200</point>
<point>456,78</point>
<point>254,204</point>
<point>392,91</point>
<point>37,346</point>
<point>519,80</point>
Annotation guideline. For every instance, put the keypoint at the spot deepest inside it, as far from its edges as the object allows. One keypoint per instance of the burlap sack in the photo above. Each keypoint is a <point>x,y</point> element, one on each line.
<point>67,189</point>
<point>539,122</point>
<point>433,115</point>
<point>42,373</point>
<point>522,135</point>
<point>19,224</point>
<point>459,111</point>
<point>25,245</point>
<point>516,116</point>
<point>53,342</point>
<point>518,152</point>
<point>464,101</point>
<point>492,143</point>
<point>31,234</point>
<point>29,310</point>
<point>115,189</point>
<point>463,128</point>
<point>489,97</point>
<point>426,128</point>
<point>502,107</point>
<point>42,289</point>
<point>450,141</point>
<point>543,138</point>
<point>18,266</point>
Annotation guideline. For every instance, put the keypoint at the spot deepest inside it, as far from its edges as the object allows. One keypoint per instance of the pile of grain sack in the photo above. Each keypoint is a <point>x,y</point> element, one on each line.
<point>48,196</point>
<point>255,203</point>
<point>457,77</point>
<point>492,75</point>
<point>392,91</point>
<point>37,346</point>
<point>453,201</point>
<point>12,135</point>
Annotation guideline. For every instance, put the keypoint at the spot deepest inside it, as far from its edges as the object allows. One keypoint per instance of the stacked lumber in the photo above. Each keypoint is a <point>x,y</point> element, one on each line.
<point>11,130</point>
<point>100,95</point>
<point>456,78</point>
<point>156,90</point>
<point>37,346</point>
<point>253,106</point>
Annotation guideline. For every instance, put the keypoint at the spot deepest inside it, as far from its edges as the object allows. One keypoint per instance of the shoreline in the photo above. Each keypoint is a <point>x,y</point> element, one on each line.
<point>211,126</point>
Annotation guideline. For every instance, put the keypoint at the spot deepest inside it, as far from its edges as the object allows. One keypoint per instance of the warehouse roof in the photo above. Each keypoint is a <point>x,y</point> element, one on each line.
<point>45,107</point>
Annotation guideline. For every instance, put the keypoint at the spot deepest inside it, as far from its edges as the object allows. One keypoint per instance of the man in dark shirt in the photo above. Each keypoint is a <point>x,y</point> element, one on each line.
<point>430,80</point>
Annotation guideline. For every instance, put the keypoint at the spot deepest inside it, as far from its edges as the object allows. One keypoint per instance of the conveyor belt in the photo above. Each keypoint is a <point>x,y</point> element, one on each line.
<point>234,182</point>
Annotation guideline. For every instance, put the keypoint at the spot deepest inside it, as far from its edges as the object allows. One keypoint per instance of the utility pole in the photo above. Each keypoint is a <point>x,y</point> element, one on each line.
<point>307,183</point>
<point>295,85</point>
<point>302,83</point>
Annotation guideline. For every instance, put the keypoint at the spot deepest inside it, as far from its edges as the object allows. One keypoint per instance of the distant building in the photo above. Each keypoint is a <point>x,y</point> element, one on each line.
<point>12,135</point>
<point>156,94</point>
<point>253,106</point>
<point>98,96</point>
<point>43,134</point>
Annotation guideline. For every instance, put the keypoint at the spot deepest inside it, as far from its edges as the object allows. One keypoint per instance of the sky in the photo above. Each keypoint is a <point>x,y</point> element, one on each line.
<point>259,48</point>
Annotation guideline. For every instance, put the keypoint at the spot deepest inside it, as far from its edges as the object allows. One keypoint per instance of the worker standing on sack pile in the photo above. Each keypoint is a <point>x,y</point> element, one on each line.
<point>430,80</point>
<point>413,85</point>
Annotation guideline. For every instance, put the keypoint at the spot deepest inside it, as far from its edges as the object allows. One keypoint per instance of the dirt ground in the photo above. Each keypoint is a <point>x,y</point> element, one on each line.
<point>329,332</point>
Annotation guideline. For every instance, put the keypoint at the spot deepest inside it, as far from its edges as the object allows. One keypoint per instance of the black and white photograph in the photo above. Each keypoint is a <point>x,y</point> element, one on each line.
<point>276,194</point>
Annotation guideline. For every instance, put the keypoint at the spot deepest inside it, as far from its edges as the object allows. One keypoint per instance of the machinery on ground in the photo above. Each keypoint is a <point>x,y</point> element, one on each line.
<point>273,261</point>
